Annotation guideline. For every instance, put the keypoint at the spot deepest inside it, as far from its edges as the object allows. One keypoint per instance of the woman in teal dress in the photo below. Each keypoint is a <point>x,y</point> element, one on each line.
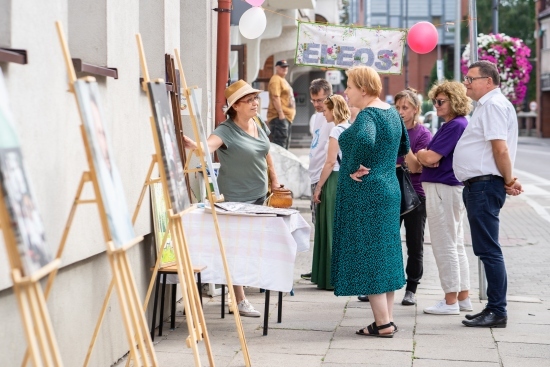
<point>366,250</point>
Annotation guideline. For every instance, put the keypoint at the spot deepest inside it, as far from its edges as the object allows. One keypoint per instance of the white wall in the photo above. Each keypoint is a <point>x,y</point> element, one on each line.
<point>101,33</point>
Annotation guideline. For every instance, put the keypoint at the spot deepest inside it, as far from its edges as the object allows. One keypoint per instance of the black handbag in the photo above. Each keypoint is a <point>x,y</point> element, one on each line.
<point>409,197</point>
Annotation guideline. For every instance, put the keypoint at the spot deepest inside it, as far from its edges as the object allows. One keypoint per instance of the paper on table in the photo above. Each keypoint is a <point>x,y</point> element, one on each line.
<point>220,211</point>
<point>251,208</point>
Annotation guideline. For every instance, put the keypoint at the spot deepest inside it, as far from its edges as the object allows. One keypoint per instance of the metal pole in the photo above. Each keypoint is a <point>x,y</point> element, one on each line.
<point>368,10</point>
<point>458,22</point>
<point>495,16</point>
<point>474,58</point>
<point>406,47</point>
<point>222,58</point>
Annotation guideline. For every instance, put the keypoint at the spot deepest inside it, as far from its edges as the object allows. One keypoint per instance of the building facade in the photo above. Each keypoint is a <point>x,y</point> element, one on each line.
<point>103,33</point>
<point>543,65</point>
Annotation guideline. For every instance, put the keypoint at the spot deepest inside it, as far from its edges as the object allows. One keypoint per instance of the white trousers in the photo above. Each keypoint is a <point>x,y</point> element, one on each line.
<point>445,212</point>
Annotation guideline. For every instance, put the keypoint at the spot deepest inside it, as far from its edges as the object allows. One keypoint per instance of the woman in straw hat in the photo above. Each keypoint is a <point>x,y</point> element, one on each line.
<point>242,145</point>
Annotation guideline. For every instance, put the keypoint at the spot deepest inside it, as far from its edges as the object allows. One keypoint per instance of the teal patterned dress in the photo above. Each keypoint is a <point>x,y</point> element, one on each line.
<point>366,249</point>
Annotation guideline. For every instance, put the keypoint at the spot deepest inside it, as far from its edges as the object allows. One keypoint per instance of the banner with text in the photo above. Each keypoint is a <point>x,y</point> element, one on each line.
<point>333,46</point>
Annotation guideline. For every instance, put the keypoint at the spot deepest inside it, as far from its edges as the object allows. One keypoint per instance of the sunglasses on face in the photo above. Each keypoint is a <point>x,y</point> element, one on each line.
<point>438,102</point>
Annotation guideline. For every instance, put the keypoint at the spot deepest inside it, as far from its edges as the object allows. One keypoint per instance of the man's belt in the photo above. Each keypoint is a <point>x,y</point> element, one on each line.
<point>472,180</point>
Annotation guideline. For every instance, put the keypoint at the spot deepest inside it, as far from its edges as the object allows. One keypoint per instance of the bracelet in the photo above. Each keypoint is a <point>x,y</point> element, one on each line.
<point>511,182</point>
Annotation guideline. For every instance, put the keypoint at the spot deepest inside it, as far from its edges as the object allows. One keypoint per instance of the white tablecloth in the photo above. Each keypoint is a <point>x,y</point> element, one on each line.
<point>260,251</point>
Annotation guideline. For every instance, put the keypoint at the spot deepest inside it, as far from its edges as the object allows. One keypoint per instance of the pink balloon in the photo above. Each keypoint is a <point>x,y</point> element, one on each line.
<point>255,2</point>
<point>422,37</point>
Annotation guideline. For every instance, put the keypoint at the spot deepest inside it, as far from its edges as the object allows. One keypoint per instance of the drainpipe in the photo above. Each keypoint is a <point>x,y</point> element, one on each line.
<point>222,57</point>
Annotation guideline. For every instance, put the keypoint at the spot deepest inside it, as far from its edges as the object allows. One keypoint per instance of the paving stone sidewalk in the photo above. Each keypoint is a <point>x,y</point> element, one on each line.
<point>318,328</point>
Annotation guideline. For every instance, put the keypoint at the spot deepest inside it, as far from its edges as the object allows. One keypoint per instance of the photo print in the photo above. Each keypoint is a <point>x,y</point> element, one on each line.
<point>108,177</point>
<point>26,223</point>
<point>173,167</point>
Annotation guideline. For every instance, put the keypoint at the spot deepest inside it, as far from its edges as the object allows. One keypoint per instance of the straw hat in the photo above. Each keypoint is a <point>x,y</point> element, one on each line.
<point>238,90</point>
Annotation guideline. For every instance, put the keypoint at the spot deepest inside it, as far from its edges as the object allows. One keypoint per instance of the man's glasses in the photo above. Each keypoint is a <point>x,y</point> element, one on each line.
<point>319,100</point>
<point>439,102</point>
<point>250,100</point>
<point>469,79</point>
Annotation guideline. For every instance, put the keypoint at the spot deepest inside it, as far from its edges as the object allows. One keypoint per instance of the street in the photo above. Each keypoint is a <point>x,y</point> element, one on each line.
<point>534,172</point>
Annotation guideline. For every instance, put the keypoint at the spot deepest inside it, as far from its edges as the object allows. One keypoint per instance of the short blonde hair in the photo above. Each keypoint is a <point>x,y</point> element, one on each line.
<point>365,77</point>
<point>460,103</point>
<point>340,110</point>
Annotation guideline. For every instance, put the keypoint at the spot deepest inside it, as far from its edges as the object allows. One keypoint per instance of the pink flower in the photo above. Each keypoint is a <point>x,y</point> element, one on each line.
<point>510,55</point>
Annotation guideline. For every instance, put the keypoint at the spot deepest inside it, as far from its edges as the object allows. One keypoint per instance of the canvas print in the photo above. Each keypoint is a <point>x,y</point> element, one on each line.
<point>108,177</point>
<point>195,96</point>
<point>25,219</point>
<point>173,167</point>
<point>160,221</point>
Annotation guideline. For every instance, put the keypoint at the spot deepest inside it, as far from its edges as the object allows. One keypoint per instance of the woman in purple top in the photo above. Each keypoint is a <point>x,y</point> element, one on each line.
<point>408,106</point>
<point>444,204</point>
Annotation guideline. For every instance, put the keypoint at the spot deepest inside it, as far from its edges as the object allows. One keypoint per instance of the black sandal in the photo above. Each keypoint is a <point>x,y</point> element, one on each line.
<point>373,330</point>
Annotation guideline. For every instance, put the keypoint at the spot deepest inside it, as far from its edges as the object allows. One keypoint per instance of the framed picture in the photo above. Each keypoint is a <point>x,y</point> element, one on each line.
<point>26,223</point>
<point>108,177</point>
<point>173,167</point>
<point>195,96</point>
<point>160,223</point>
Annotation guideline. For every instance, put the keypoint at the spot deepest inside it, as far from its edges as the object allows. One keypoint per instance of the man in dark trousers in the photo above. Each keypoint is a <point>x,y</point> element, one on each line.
<point>282,107</point>
<point>484,160</point>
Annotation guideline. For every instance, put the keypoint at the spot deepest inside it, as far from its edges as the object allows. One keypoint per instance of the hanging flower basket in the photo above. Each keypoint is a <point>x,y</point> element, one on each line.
<point>511,57</point>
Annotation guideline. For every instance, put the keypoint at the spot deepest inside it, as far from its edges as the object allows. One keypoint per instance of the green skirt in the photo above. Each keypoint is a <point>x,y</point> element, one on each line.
<point>322,245</point>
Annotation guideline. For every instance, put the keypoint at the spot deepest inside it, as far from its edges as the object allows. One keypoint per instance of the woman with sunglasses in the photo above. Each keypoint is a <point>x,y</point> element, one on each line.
<point>444,206</point>
<point>408,106</point>
<point>242,145</point>
<point>337,111</point>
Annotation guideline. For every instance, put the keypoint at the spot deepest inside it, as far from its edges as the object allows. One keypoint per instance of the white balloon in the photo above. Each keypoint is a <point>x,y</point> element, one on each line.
<point>252,23</point>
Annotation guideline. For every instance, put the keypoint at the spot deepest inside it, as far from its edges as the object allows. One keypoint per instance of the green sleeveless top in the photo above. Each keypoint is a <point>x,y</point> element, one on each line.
<point>243,167</point>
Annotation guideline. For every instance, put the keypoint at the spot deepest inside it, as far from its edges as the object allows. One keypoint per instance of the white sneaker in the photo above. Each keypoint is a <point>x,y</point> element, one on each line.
<point>442,308</point>
<point>465,305</point>
<point>246,309</point>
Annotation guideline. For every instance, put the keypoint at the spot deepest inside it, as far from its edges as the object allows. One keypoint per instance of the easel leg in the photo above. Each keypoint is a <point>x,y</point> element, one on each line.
<point>141,323</point>
<point>32,351</point>
<point>39,326</point>
<point>236,315</point>
<point>99,322</point>
<point>123,301</point>
<point>44,316</point>
<point>144,189</point>
<point>196,297</point>
<point>83,179</point>
<point>184,281</point>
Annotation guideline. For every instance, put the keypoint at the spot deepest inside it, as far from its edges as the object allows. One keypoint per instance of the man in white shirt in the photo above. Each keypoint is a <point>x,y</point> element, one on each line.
<point>319,90</point>
<point>483,160</point>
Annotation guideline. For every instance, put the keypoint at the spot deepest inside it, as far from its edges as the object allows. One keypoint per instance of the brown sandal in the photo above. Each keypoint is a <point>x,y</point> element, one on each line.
<point>373,330</point>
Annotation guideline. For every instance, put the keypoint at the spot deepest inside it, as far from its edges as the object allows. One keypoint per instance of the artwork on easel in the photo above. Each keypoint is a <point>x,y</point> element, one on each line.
<point>108,177</point>
<point>160,222</point>
<point>195,96</point>
<point>25,220</point>
<point>173,167</point>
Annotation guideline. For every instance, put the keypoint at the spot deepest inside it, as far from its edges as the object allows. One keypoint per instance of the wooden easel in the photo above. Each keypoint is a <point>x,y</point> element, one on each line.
<point>42,344</point>
<point>139,341</point>
<point>196,323</point>
<point>199,152</point>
